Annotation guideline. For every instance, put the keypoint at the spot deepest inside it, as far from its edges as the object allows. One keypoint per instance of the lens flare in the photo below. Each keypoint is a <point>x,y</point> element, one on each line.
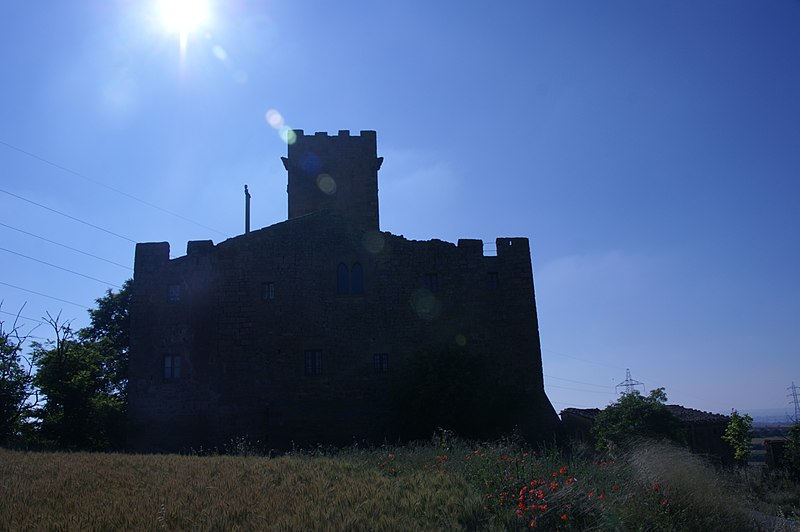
<point>373,242</point>
<point>274,119</point>
<point>326,184</point>
<point>287,134</point>
<point>219,52</point>
<point>425,304</point>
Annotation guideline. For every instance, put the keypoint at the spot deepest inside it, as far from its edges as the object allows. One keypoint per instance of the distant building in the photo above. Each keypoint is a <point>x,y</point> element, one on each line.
<point>290,334</point>
<point>703,430</point>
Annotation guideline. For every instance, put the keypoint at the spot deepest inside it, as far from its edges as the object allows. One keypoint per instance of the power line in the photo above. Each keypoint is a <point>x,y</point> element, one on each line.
<point>21,316</point>
<point>60,268</point>
<point>109,187</point>
<point>577,389</point>
<point>577,382</point>
<point>581,359</point>
<point>70,217</point>
<point>67,247</point>
<point>45,295</point>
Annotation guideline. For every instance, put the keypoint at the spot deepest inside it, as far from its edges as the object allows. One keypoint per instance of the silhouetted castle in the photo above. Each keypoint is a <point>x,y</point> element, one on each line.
<point>291,333</point>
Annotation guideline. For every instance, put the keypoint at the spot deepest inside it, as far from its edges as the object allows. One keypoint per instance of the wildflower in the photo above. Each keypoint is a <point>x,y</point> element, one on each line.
<point>554,486</point>
<point>533,523</point>
<point>392,455</point>
<point>570,480</point>
<point>591,494</point>
<point>656,487</point>
<point>563,517</point>
<point>563,470</point>
<point>615,488</point>
<point>523,490</point>
<point>519,514</point>
<point>602,496</point>
<point>533,482</point>
<point>555,473</point>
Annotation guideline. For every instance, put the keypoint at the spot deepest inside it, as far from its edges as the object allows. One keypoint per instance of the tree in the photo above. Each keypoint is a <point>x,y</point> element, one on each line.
<point>83,376</point>
<point>17,393</point>
<point>633,417</point>
<point>738,434</point>
<point>109,331</point>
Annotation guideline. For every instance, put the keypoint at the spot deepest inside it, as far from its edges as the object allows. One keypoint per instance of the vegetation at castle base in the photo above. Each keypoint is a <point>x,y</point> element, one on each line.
<point>443,485</point>
<point>634,416</point>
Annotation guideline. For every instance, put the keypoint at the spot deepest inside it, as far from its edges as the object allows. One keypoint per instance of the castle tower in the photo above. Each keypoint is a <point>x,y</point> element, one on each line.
<point>338,173</point>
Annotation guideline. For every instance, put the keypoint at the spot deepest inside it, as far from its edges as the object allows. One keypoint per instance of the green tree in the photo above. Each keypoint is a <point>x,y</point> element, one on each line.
<point>109,332</point>
<point>738,434</point>
<point>17,394</point>
<point>633,417</point>
<point>83,377</point>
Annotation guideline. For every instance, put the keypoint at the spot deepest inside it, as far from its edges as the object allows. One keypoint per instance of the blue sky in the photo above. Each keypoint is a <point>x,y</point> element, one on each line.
<point>649,150</point>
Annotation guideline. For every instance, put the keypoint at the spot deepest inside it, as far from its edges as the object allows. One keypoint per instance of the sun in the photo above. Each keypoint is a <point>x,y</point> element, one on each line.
<point>184,15</point>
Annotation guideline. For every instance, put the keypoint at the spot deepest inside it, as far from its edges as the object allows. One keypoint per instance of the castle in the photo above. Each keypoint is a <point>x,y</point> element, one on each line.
<point>290,334</point>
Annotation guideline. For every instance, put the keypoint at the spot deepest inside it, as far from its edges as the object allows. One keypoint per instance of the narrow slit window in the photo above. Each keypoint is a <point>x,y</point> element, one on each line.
<point>432,282</point>
<point>174,293</point>
<point>314,362</point>
<point>357,279</point>
<point>342,279</point>
<point>381,362</point>
<point>267,291</point>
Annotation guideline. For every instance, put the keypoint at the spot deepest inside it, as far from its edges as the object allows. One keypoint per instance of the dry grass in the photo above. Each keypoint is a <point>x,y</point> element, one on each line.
<point>429,487</point>
<point>114,492</point>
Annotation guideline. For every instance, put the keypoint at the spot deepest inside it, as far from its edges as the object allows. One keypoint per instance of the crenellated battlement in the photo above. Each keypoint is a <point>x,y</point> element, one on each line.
<point>334,172</point>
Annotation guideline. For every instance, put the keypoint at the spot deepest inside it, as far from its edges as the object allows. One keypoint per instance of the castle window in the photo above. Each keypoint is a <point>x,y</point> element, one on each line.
<point>174,293</point>
<point>491,280</point>
<point>357,279</point>
<point>432,282</point>
<point>172,367</point>
<point>342,279</point>
<point>267,291</point>
<point>381,362</point>
<point>313,362</point>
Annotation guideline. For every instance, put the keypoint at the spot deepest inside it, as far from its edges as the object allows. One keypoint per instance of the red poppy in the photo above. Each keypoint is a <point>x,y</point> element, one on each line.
<point>563,517</point>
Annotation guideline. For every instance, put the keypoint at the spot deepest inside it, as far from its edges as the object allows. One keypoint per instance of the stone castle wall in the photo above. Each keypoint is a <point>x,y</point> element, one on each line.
<point>243,315</point>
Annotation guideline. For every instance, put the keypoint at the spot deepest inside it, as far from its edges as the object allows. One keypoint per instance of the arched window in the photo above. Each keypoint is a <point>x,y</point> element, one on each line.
<point>357,282</point>
<point>342,279</point>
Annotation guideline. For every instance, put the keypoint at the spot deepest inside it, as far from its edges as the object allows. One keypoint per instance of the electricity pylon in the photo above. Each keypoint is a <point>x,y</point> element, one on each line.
<point>629,385</point>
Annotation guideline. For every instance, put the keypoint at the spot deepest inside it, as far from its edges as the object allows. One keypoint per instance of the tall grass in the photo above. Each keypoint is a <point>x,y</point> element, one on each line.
<point>444,485</point>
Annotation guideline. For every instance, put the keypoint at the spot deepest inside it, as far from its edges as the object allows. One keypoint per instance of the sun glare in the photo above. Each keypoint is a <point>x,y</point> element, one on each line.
<point>184,15</point>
